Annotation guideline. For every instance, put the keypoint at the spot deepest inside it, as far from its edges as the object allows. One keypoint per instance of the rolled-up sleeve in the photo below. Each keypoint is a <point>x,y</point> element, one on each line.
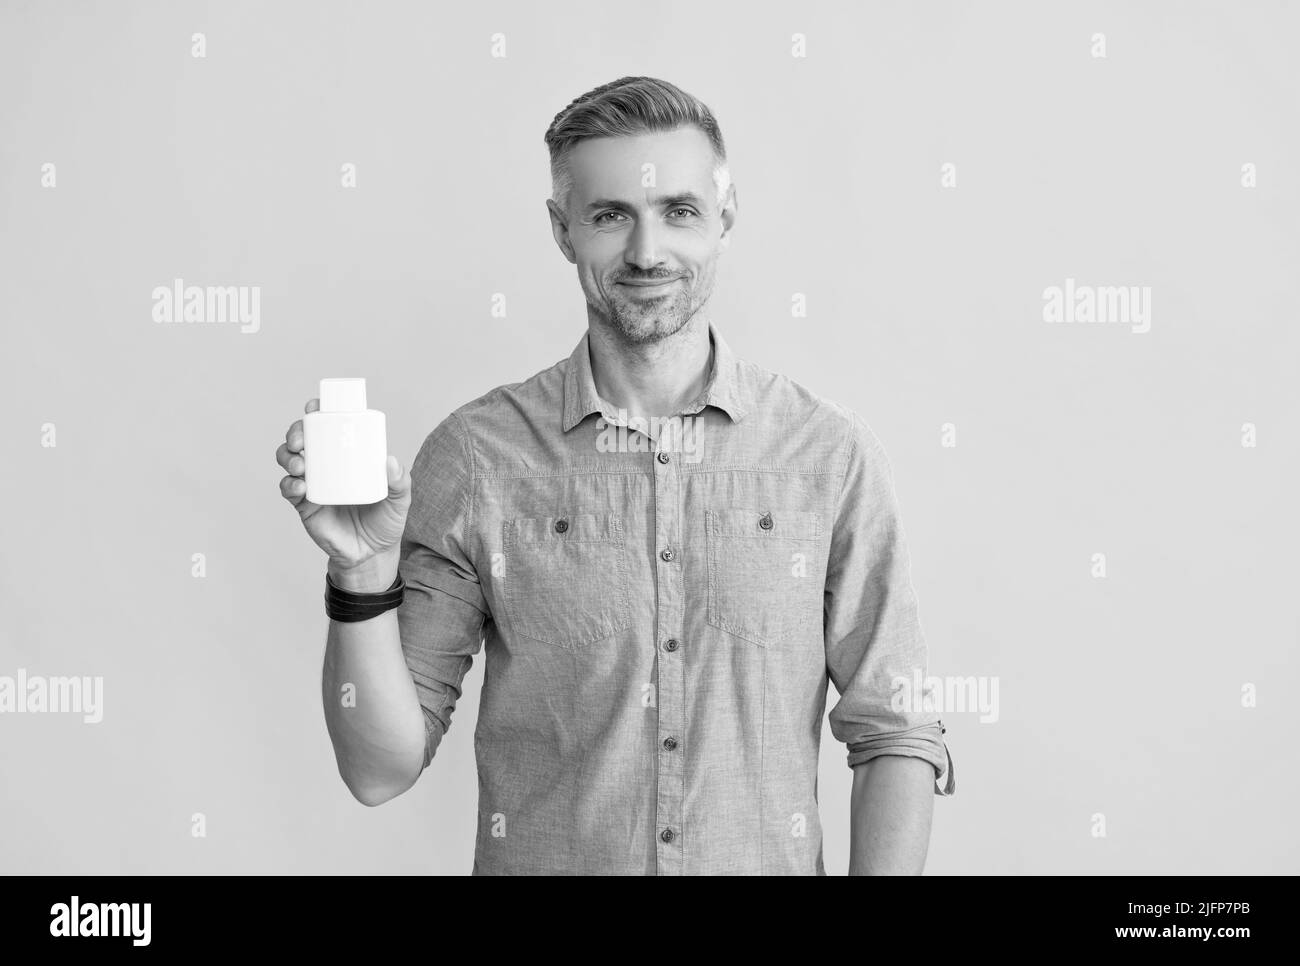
<point>874,639</point>
<point>443,612</point>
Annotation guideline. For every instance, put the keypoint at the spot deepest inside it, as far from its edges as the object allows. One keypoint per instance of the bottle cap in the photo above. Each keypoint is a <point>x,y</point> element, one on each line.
<point>342,395</point>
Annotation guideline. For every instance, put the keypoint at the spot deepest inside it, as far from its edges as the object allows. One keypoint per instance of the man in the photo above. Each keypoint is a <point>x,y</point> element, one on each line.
<point>668,551</point>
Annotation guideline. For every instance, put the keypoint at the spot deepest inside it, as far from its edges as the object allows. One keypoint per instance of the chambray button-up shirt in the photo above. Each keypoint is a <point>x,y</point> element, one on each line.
<point>660,618</point>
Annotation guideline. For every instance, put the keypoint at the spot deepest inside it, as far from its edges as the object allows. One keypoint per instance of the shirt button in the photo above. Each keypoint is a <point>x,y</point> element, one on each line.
<point>663,457</point>
<point>670,743</point>
<point>561,525</point>
<point>667,554</point>
<point>765,521</point>
<point>670,644</point>
<point>666,835</point>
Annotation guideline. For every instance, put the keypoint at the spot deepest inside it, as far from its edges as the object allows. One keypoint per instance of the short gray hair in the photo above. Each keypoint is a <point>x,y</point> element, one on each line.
<point>626,107</point>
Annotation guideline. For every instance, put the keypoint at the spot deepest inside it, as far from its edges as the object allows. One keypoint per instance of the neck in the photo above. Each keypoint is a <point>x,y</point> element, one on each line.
<point>653,379</point>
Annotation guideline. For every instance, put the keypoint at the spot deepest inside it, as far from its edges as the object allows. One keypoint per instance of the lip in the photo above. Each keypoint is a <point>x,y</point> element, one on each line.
<point>658,283</point>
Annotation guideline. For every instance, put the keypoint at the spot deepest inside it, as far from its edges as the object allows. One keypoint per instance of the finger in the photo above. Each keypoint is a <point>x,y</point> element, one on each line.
<point>398,480</point>
<point>312,406</point>
<point>293,438</point>
<point>293,489</point>
<point>294,463</point>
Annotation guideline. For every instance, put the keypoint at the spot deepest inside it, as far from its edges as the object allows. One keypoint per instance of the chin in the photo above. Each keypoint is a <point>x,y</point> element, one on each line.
<point>649,330</point>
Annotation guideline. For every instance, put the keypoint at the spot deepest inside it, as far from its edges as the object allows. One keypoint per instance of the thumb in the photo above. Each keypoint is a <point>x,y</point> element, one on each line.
<point>399,482</point>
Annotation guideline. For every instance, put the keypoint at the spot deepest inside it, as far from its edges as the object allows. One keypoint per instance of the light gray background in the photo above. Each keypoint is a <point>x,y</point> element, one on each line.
<point>1119,696</point>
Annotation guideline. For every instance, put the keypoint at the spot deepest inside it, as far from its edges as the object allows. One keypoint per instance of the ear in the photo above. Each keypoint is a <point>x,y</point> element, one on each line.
<point>728,214</point>
<point>560,229</point>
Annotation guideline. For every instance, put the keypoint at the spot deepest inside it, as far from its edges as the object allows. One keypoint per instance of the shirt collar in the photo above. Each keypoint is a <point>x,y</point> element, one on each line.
<point>727,387</point>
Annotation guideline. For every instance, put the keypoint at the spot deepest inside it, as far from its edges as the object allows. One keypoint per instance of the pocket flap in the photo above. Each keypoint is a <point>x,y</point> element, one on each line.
<point>578,526</point>
<point>780,524</point>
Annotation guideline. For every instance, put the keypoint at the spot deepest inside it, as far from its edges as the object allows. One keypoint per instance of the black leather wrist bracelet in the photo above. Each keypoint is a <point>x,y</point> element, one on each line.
<point>347,606</point>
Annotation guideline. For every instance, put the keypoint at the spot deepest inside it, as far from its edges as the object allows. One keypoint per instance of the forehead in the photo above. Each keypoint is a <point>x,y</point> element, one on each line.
<point>614,167</point>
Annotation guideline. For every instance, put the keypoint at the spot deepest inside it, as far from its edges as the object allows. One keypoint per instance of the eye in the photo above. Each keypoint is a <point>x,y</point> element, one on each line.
<point>606,214</point>
<point>689,211</point>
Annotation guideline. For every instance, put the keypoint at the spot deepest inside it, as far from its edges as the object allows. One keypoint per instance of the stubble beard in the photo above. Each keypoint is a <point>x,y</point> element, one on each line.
<point>642,323</point>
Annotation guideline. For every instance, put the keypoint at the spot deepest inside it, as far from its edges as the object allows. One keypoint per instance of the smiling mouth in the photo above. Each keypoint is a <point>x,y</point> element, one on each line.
<point>651,283</point>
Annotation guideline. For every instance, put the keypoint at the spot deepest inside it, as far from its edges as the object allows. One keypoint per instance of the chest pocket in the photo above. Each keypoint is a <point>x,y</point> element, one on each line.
<point>566,576</point>
<point>765,582</point>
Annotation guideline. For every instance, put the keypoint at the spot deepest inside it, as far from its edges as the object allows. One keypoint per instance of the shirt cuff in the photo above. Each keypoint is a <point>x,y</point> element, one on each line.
<point>925,742</point>
<point>434,729</point>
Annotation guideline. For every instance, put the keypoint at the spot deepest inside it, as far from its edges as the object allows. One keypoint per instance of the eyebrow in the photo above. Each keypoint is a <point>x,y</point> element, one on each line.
<point>682,198</point>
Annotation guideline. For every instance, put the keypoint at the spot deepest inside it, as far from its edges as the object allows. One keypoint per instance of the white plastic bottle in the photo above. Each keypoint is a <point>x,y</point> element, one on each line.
<point>345,446</point>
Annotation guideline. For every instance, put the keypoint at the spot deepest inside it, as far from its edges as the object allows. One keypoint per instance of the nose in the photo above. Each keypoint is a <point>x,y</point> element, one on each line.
<point>643,246</point>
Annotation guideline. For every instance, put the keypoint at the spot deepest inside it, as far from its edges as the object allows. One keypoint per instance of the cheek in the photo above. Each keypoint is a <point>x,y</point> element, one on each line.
<point>596,281</point>
<point>590,272</point>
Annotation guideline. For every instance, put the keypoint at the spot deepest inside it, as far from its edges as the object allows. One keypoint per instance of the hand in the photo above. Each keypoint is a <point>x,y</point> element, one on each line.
<point>362,541</point>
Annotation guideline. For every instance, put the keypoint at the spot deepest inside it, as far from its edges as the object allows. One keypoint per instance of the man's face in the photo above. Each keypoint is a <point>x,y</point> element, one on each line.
<point>645,229</point>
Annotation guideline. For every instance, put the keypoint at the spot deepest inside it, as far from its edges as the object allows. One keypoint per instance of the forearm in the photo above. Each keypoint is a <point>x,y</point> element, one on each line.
<point>372,710</point>
<point>890,815</point>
